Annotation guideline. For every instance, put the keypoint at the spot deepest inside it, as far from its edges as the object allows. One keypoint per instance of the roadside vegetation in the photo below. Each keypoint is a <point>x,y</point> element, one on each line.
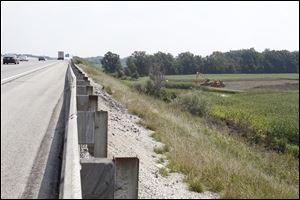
<point>210,158</point>
<point>164,171</point>
<point>266,117</point>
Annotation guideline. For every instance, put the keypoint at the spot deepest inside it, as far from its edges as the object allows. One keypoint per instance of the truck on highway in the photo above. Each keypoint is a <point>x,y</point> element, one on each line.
<point>61,55</point>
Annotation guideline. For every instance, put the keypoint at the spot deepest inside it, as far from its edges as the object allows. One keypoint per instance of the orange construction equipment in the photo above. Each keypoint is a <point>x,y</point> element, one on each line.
<point>217,83</point>
<point>213,83</point>
<point>203,80</point>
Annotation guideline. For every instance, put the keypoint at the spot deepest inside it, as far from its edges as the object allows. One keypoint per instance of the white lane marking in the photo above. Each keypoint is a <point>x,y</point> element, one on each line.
<point>24,73</point>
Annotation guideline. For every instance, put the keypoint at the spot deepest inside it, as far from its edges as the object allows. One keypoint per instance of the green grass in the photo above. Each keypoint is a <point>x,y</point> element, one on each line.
<point>273,114</point>
<point>217,161</point>
<point>192,77</point>
<point>219,90</point>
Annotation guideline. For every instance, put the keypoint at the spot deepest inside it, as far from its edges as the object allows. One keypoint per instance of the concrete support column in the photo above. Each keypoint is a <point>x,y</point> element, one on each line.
<point>97,178</point>
<point>87,102</point>
<point>92,130</point>
<point>84,90</point>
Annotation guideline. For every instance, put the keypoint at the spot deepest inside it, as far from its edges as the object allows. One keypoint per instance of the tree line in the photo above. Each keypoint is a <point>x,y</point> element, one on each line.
<point>238,61</point>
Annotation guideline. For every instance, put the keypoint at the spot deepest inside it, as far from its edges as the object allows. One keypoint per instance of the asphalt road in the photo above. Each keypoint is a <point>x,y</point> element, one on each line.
<point>29,106</point>
<point>10,70</point>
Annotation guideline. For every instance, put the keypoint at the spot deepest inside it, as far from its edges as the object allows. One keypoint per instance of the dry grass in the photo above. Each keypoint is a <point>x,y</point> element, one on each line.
<point>164,171</point>
<point>216,161</point>
<point>161,150</point>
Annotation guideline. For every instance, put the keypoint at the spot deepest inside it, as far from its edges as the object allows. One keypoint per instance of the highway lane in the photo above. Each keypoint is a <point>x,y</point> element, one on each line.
<point>10,70</point>
<point>27,110</point>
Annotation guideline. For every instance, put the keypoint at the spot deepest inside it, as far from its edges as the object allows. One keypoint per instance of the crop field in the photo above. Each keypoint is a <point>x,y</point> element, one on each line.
<point>242,81</point>
<point>191,77</point>
<point>272,114</point>
<point>288,81</point>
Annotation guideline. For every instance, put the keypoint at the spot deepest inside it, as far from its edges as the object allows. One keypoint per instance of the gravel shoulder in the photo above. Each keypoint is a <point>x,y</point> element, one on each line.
<point>127,138</point>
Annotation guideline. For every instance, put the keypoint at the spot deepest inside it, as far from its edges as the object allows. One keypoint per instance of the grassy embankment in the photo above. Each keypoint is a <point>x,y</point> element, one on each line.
<point>211,160</point>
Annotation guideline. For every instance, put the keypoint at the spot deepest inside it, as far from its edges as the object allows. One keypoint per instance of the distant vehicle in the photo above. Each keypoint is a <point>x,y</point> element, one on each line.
<point>61,55</point>
<point>42,58</point>
<point>23,58</point>
<point>10,58</point>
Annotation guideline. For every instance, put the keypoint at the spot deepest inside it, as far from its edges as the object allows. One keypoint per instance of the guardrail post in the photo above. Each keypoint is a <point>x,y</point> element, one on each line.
<point>86,127</point>
<point>127,175</point>
<point>87,102</point>
<point>83,82</point>
<point>84,90</point>
<point>92,130</point>
<point>80,76</point>
<point>97,178</point>
<point>101,124</point>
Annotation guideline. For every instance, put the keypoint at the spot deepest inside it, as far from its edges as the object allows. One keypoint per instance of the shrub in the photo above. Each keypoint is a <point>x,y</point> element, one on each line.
<point>140,87</point>
<point>179,85</point>
<point>195,103</point>
<point>151,89</point>
<point>167,96</point>
<point>120,73</point>
<point>135,75</point>
<point>293,150</point>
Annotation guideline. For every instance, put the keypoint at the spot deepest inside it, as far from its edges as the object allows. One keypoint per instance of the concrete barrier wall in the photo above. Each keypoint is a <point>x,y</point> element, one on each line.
<point>70,186</point>
<point>97,177</point>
